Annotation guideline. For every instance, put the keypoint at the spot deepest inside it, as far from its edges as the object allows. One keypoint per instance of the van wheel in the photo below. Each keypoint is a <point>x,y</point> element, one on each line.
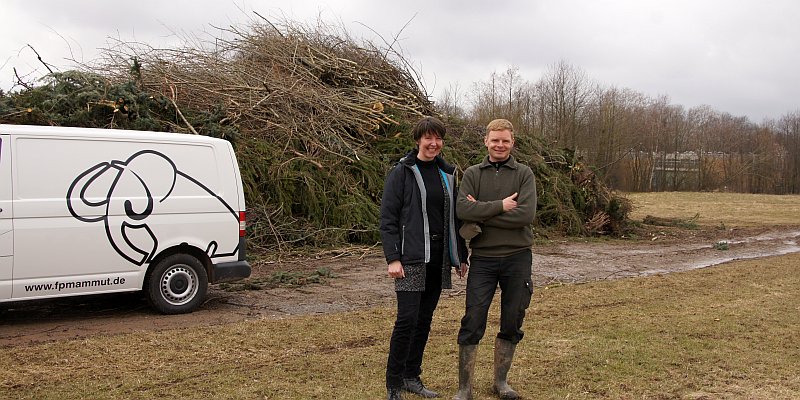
<point>177,284</point>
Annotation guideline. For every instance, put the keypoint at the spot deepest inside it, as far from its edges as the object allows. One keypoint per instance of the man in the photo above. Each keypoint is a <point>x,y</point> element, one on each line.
<point>497,202</point>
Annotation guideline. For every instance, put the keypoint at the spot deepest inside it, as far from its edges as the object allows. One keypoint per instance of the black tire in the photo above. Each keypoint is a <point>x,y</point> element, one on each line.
<point>177,284</point>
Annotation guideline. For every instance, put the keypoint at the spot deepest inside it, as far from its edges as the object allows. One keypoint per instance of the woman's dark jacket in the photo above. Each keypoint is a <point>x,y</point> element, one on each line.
<point>404,223</point>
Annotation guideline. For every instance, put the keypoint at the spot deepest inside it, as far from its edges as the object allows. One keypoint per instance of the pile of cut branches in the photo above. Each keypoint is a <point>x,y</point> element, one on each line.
<point>316,119</point>
<point>304,109</point>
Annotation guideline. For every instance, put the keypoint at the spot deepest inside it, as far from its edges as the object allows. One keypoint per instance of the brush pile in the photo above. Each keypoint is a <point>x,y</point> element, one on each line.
<point>316,119</point>
<point>305,110</point>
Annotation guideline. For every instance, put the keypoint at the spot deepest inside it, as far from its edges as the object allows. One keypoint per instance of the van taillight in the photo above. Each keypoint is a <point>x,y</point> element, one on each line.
<point>242,224</point>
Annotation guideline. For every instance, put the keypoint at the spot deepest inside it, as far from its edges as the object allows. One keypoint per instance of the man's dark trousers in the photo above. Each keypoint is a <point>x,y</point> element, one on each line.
<point>513,274</point>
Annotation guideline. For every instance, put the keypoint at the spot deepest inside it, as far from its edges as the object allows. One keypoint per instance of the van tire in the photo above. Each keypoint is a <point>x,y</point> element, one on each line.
<point>177,284</point>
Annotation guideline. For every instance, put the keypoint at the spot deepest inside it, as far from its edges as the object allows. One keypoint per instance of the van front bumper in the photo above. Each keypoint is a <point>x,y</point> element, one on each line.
<point>229,271</point>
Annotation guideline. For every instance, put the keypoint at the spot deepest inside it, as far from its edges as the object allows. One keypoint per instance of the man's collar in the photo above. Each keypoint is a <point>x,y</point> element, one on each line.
<point>511,163</point>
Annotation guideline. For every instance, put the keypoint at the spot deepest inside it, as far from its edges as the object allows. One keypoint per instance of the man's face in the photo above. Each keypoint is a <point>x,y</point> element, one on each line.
<point>499,144</point>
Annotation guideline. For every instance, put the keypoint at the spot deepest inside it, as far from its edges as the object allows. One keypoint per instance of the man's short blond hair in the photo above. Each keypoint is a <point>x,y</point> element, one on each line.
<point>500,125</point>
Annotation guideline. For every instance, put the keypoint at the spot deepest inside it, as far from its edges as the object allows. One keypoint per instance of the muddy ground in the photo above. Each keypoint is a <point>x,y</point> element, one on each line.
<point>358,280</point>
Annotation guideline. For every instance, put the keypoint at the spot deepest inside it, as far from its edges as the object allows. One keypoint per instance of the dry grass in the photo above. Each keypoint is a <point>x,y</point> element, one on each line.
<point>727,332</point>
<point>728,209</point>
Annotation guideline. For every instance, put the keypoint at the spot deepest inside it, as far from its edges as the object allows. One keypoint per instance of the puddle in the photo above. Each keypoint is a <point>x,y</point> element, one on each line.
<point>595,261</point>
<point>766,237</point>
<point>787,247</point>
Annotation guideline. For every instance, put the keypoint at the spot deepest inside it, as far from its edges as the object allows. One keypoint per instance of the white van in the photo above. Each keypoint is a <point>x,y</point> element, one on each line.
<point>86,211</point>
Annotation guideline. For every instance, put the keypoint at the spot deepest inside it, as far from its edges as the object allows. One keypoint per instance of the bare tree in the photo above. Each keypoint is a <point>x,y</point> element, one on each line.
<point>612,136</point>
<point>510,79</point>
<point>701,120</point>
<point>505,95</point>
<point>565,93</point>
<point>485,99</point>
<point>788,132</point>
<point>450,102</point>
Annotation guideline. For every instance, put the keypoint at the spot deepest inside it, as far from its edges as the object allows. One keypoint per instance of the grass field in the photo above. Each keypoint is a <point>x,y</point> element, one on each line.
<point>719,209</point>
<point>727,332</point>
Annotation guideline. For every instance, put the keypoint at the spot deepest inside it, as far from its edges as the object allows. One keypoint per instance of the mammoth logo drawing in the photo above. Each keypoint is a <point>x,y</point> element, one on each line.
<point>132,199</point>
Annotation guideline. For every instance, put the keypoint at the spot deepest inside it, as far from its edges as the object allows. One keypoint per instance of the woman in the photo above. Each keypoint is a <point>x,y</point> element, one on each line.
<point>418,230</point>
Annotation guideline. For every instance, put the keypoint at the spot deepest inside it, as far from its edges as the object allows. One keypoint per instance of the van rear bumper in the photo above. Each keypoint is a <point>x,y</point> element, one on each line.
<point>229,271</point>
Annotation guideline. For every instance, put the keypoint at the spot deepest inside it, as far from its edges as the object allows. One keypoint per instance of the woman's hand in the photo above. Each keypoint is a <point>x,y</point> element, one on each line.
<point>396,270</point>
<point>462,270</point>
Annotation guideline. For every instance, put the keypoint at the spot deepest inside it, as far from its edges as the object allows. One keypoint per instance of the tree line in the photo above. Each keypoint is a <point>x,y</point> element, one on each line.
<point>636,142</point>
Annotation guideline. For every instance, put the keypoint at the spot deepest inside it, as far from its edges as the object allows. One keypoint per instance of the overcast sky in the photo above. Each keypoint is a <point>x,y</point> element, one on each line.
<point>737,56</point>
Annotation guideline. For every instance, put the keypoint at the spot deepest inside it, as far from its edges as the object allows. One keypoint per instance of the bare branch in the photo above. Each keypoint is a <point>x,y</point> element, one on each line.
<point>40,59</point>
<point>172,99</point>
<point>20,81</point>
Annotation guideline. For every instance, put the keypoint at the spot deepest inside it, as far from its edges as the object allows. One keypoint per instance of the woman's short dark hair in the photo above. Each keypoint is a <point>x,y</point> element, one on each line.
<point>429,124</point>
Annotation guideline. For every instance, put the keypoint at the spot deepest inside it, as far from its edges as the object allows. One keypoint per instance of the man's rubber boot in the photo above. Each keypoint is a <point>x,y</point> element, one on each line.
<point>466,371</point>
<point>503,355</point>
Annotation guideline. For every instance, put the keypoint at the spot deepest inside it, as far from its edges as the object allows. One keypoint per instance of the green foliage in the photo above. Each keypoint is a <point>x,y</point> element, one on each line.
<point>85,99</point>
<point>280,278</point>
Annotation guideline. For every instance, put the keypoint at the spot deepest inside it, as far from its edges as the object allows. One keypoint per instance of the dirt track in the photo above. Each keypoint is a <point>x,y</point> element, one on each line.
<point>361,282</point>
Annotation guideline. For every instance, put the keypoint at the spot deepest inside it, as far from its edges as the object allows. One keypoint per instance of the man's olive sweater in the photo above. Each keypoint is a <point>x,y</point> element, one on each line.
<point>503,233</point>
